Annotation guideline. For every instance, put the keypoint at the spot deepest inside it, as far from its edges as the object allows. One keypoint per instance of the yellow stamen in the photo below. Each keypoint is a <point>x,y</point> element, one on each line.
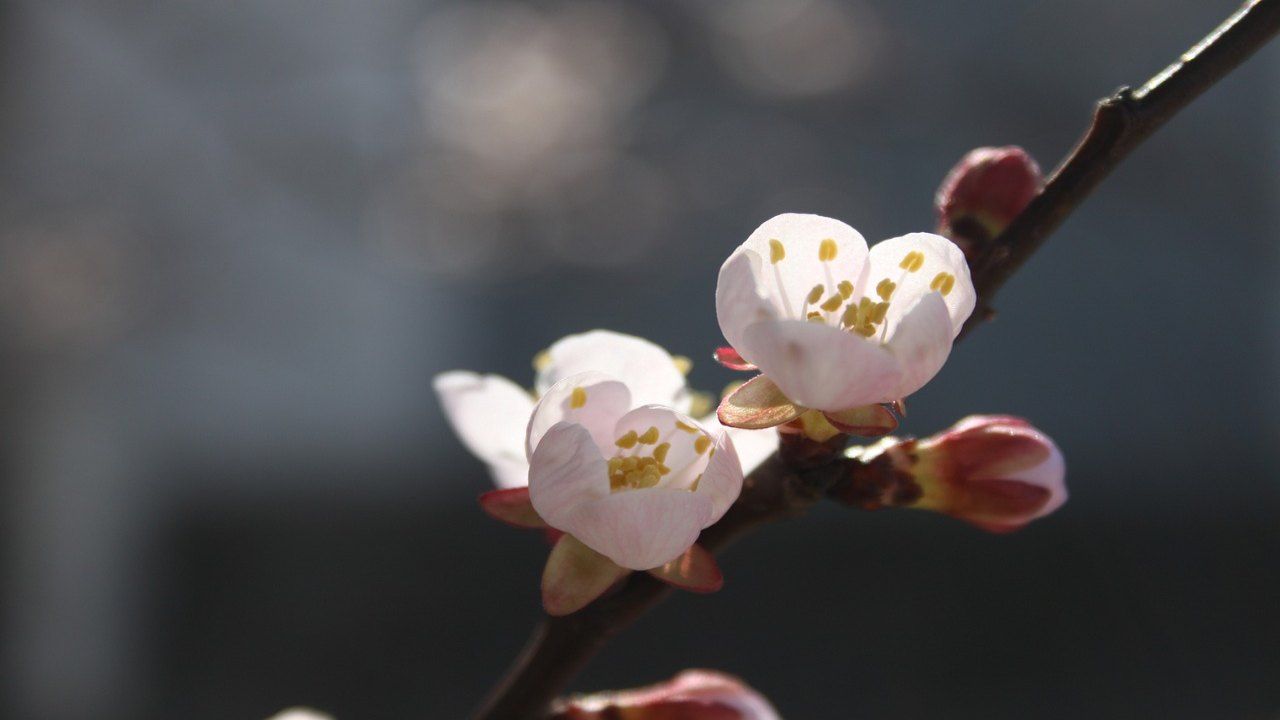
<point>650,436</point>
<point>912,261</point>
<point>878,312</point>
<point>814,316</point>
<point>577,398</point>
<point>701,444</point>
<point>827,250</point>
<point>846,289</point>
<point>682,363</point>
<point>660,452</point>
<point>542,360</point>
<point>776,251</point>
<point>885,288</point>
<point>833,303</point>
<point>627,441</point>
<point>686,427</point>
<point>850,316</point>
<point>943,282</point>
<point>815,294</point>
<point>629,473</point>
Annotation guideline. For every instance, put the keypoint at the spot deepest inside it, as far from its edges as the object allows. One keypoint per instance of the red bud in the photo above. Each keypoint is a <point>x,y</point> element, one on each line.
<point>984,192</point>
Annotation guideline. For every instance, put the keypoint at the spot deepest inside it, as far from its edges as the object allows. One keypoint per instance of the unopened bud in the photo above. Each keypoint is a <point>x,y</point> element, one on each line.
<point>993,471</point>
<point>691,695</point>
<point>983,193</point>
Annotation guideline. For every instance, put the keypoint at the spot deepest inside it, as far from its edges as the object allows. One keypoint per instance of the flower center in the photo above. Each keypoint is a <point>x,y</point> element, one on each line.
<point>641,459</point>
<point>864,315</point>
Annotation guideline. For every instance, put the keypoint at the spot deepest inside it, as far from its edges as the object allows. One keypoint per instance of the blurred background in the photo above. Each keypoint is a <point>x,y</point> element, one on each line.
<point>237,242</point>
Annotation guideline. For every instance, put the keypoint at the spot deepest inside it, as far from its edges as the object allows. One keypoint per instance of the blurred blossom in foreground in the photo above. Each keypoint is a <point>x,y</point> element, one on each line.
<point>691,695</point>
<point>995,471</point>
<point>300,713</point>
<point>794,49</point>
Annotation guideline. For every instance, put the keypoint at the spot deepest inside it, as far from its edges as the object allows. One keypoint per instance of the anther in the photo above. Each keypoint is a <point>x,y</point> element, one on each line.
<point>885,288</point>
<point>701,444</point>
<point>627,441</point>
<point>815,294</point>
<point>686,427</point>
<point>682,363</point>
<point>878,312</point>
<point>833,303</point>
<point>846,289</point>
<point>577,398</point>
<point>650,436</point>
<point>542,360</point>
<point>827,250</point>
<point>776,251</point>
<point>660,452</point>
<point>912,261</point>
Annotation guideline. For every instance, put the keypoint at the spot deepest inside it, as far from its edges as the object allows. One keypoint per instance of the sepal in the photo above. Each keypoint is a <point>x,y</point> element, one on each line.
<point>730,358</point>
<point>696,571</point>
<point>513,507</point>
<point>575,575</point>
<point>756,405</point>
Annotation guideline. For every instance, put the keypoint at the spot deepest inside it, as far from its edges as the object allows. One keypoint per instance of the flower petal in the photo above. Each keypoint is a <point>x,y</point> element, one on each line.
<point>771,273</point>
<point>648,371</point>
<point>823,367</point>
<point>757,404</point>
<point>696,570</point>
<point>722,479</point>
<point>641,529</point>
<point>574,576</point>
<point>730,358</point>
<point>591,399</point>
<point>921,341</point>
<point>512,506</point>
<point>940,255</point>
<point>489,413</point>
<point>753,446</point>
<point>566,470</point>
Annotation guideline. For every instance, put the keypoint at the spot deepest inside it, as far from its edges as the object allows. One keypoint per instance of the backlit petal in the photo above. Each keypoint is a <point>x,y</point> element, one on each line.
<point>591,399</point>
<point>722,479</point>
<point>489,413</point>
<point>921,341</point>
<point>641,529</point>
<point>566,471</point>
<point>823,367</point>
<point>940,256</point>
<point>648,371</point>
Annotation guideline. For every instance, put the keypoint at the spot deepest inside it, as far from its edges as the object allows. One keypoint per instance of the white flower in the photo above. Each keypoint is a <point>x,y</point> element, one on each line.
<point>490,413</point>
<point>635,485</point>
<point>834,326</point>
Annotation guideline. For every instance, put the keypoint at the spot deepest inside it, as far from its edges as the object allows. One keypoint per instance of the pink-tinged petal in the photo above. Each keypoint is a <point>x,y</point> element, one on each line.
<point>696,571</point>
<point>722,479</point>
<point>648,371</point>
<point>757,404</point>
<point>728,357</point>
<point>590,399</point>
<point>691,695</point>
<point>921,341</point>
<point>940,256</point>
<point>566,471</point>
<point>823,367</point>
<point>866,421</point>
<point>489,413</point>
<point>513,507</point>
<point>740,298</point>
<point>574,576</point>
<point>641,529</point>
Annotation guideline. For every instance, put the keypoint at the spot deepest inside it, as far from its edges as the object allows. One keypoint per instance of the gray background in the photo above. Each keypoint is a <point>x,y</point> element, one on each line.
<point>237,241</point>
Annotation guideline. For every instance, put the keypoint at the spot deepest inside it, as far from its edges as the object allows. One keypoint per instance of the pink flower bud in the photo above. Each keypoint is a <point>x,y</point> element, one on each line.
<point>984,192</point>
<point>994,471</point>
<point>691,695</point>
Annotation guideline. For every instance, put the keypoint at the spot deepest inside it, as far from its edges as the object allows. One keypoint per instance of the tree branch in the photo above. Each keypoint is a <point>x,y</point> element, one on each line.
<point>787,484</point>
<point>1120,123</point>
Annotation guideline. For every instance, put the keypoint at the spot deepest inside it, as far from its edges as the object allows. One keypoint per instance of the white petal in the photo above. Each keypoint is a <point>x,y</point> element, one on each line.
<point>752,286</point>
<point>753,446</point>
<point>682,456</point>
<point>940,256</point>
<point>565,471</point>
<point>489,413</point>
<point>645,368</point>
<point>823,367</point>
<point>921,341</point>
<point>722,480</point>
<point>604,400</point>
<point>641,529</point>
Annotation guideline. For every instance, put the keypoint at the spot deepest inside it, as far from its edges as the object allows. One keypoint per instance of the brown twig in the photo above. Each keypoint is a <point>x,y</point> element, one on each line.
<point>560,647</point>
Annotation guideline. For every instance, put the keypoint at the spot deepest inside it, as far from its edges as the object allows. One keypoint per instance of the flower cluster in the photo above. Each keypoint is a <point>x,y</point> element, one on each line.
<point>611,458</point>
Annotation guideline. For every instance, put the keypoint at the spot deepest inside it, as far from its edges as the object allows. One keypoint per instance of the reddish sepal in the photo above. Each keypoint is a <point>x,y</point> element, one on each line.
<point>511,506</point>
<point>730,358</point>
<point>756,405</point>
<point>696,571</point>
